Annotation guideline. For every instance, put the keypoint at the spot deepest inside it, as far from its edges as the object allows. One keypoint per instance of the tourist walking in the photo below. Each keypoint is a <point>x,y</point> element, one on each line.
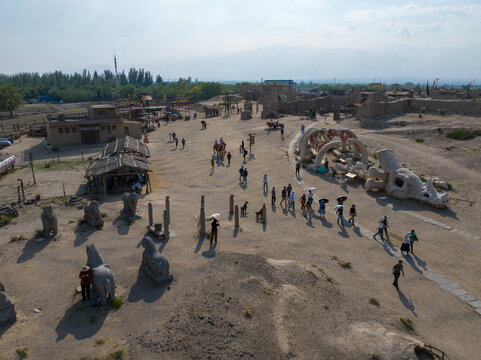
<point>396,271</point>
<point>183,143</point>
<point>245,175</point>
<point>386,224</point>
<point>85,277</point>
<point>213,234</point>
<point>284,196</point>
<point>340,216</point>
<point>334,173</point>
<point>176,143</point>
<point>380,228</point>
<point>212,163</point>
<point>298,167</point>
<point>241,173</point>
<point>405,246</point>
<point>245,154</point>
<point>302,200</point>
<point>322,208</point>
<point>229,156</point>
<point>326,164</point>
<point>302,128</point>
<point>265,187</point>
<point>309,208</point>
<point>289,189</point>
<point>273,196</point>
<point>174,135</point>
<point>309,196</point>
<point>292,202</point>
<point>412,238</point>
<point>352,214</point>
<point>282,131</point>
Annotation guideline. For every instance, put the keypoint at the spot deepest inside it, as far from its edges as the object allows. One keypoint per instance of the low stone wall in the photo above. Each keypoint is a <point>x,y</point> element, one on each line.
<point>373,110</point>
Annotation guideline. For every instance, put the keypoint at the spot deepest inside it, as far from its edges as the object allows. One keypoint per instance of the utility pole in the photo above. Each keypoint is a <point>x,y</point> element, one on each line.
<point>116,75</point>
<point>31,166</point>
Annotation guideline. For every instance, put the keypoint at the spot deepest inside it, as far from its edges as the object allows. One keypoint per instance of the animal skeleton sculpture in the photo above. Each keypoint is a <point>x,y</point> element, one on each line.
<point>153,264</point>
<point>103,281</point>
<point>402,183</point>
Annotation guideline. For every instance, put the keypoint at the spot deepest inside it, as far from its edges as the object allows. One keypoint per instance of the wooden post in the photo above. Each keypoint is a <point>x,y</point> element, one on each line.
<point>82,156</point>
<point>21,187</point>
<point>236,217</point>
<point>151,214</point>
<point>18,191</point>
<point>167,208</point>
<point>231,204</point>
<point>202,222</point>
<point>31,166</point>
<point>63,187</point>
<point>166,226</point>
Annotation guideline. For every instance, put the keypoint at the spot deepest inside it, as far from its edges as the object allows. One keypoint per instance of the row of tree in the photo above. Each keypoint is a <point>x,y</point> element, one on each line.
<point>104,86</point>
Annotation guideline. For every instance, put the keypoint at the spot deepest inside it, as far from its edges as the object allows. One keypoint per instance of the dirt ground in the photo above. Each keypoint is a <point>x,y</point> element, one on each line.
<point>281,290</point>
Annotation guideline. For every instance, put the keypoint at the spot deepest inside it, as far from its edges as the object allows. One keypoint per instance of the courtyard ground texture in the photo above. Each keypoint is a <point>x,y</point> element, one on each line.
<point>290,289</point>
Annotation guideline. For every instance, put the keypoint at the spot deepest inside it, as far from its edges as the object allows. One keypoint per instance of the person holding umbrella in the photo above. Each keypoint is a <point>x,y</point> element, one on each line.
<point>322,206</point>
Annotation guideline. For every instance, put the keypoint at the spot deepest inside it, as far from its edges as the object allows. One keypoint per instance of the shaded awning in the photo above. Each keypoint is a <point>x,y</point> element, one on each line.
<point>126,144</point>
<point>118,161</point>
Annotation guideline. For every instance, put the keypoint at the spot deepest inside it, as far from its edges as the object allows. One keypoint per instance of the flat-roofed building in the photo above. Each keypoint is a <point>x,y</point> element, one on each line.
<point>100,126</point>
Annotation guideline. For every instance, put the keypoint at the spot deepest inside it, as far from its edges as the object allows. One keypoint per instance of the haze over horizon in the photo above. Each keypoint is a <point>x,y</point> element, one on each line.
<point>218,40</point>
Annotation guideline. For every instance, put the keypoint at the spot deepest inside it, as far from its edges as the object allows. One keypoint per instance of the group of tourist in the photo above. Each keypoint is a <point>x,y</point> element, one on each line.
<point>243,175</point>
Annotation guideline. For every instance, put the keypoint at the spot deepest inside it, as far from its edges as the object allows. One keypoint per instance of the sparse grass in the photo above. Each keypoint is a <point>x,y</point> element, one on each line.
<point>374,301</point>
<point>117,354</point>
<point>104,214</point>
<point>71,221</point>
<point>15,238</point>
<point>38,197</point>
<point>330,279</point>
<point>99,341</point>
<point>423,109</point>
<point>117,303</point>
<point>100,227</point>
<point>419,140</point>
<point>441,111</point>
<point>92,319</point>
<point>4,220</point>
<point>38,233</point>
<point>207,235</point>
<point>463,134</point>
<point>344,264</point>
<point>407,323</point>
<point>236,261</point>
<point>267,292</point>
<point>130,222</point>
<point>325,306</point>
<point>222,294</point>
<point>375,357</point>
<point>247,311</point>
<point>80,221</point>
<point>22,352</point>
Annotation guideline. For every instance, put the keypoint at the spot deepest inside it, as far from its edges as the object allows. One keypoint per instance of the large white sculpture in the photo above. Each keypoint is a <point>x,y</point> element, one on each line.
<point>323,140</point>
<point>402,183</point>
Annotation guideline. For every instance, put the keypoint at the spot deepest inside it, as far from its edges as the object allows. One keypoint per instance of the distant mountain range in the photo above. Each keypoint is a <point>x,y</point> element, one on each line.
<point>393,64</point>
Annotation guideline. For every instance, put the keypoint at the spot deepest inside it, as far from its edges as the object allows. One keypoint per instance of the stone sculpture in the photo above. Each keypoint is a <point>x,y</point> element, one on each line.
<point>130,204</point>
<point>323,140</point>
<point>402,183</point>
<point>7,309</point>
<point>153,264</point>
<point>49,222</point>
<point>103,282</point>
<point>92,215</point>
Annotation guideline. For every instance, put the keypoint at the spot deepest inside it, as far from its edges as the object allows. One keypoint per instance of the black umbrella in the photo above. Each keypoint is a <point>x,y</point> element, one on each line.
<point>325,200</point>
<point>342,198</point>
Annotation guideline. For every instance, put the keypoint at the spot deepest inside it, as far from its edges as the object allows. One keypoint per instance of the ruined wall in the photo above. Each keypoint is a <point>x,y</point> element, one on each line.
<point>372,110</point>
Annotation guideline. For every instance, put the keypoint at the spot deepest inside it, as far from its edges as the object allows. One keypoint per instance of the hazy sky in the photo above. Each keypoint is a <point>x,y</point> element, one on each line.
<point>45,35</point>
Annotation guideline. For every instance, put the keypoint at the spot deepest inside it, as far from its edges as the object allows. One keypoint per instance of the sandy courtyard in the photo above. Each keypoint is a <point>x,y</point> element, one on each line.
<point>276,291</point>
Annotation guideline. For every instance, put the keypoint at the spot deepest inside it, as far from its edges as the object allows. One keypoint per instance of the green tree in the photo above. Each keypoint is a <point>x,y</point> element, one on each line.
<point>10,98</point>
